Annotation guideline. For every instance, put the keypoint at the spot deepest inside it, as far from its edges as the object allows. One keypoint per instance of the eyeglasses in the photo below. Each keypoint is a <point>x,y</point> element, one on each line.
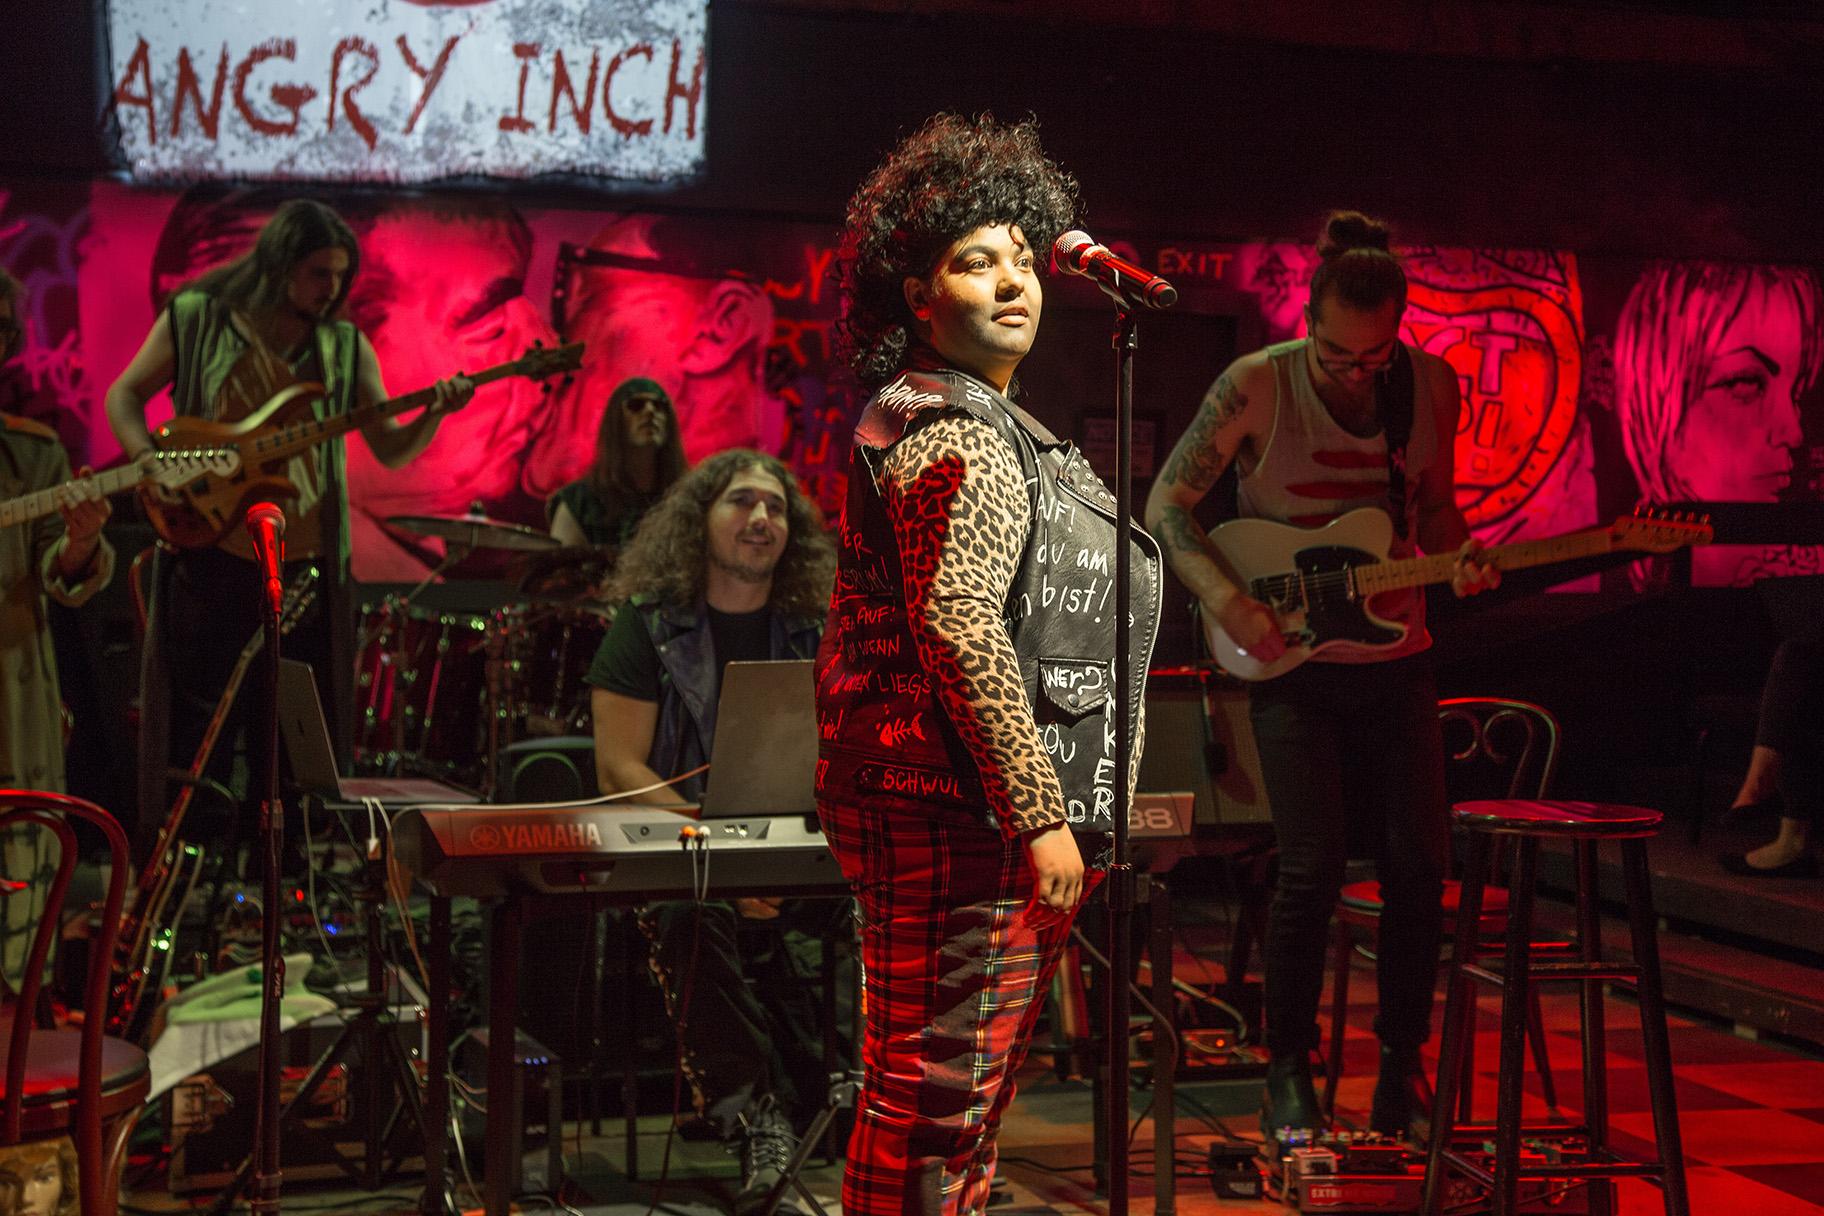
<point>1366,363</point>
<point>639,405</point>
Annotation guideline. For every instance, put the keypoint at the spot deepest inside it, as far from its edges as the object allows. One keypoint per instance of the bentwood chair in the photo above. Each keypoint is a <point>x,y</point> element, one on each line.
<point>76,1083</point>
<point>1493,747</point>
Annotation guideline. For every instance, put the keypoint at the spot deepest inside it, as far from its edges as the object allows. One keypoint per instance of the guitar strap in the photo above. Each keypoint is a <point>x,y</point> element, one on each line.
<point>1393,402</point>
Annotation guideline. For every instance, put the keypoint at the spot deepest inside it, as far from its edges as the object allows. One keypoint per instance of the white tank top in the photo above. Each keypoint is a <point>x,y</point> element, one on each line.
<point>1310,470</point>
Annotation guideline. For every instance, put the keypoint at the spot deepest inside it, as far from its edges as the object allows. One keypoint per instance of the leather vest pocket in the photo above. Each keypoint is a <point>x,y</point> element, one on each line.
<point>1074,688</point>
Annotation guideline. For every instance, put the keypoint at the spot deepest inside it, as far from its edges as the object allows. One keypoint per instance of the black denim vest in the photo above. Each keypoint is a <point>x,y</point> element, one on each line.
<point>884,730</point>
<point>687,682</point>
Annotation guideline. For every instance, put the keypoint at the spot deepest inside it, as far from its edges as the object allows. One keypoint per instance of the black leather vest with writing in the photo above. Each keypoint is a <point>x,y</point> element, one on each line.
<point>883,727</point>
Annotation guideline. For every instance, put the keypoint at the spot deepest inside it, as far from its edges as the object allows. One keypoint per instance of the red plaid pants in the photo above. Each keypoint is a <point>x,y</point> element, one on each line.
<point>958,960</point>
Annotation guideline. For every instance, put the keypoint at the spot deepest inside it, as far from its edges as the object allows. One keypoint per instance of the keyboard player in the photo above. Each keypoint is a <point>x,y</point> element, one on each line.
<point>732,564</point>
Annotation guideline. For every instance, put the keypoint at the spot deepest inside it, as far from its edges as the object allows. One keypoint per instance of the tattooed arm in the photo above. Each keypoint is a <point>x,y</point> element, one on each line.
<point>960,514</point>
<point>1237,411</point>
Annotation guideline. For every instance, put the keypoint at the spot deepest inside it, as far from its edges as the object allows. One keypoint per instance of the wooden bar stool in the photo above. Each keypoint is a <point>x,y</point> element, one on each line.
<point>1585,824</point>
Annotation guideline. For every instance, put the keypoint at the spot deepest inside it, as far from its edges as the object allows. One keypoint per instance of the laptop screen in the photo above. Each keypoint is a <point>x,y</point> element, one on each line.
<point>305,736</point>
<point>303,730</point>
<point>763,760</point>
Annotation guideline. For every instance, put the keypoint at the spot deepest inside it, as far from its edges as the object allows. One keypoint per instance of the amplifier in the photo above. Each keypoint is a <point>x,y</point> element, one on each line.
<point>534,1110</point>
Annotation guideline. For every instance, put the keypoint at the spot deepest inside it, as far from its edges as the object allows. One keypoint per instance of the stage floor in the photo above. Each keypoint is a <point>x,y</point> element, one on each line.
<point>1752,1114</point>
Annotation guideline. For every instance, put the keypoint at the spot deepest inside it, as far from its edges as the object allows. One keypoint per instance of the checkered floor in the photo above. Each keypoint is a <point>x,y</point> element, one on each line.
<point>1751,1113</point>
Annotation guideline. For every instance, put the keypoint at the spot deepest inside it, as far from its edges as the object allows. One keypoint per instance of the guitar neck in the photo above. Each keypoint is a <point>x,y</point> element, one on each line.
<point>40,503</point>
<point>282,443</point>
<point>1420,571</point>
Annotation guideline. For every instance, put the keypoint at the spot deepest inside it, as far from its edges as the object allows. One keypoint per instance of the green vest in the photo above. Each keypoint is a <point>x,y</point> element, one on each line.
<point>208,346</point>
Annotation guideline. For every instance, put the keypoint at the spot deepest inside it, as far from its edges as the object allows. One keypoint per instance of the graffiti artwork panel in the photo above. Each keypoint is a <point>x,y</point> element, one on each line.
<point>1590,385</point>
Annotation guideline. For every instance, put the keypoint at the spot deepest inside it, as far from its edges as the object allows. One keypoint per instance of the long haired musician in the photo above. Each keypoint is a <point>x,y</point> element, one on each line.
<point>1346,417</point>
<point>732,564</point>
<point>639,454</point>
<point>224,345</point>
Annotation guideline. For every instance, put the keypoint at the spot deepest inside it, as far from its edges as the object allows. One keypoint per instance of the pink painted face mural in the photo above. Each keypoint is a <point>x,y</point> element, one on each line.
<point>1587,384</point>
<point>1711,363</point>
<point>650,301</point>
<point>442,290</point>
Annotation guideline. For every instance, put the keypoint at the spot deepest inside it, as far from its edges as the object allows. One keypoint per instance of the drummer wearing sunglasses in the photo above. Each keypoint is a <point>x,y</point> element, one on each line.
<point>638,455</point>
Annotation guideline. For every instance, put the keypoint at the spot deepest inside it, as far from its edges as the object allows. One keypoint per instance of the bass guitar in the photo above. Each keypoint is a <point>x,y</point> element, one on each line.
<point>143,949</point>
<point>167,470</point>
<point>202,510</point>
<point>1318,581</point>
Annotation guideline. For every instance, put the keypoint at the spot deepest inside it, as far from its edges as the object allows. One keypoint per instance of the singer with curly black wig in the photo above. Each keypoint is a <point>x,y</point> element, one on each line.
<point>965,682</point>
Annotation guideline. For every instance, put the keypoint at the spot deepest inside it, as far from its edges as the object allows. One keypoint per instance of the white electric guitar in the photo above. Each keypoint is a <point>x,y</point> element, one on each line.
<point>1318,581</point>
<point>171,470</point>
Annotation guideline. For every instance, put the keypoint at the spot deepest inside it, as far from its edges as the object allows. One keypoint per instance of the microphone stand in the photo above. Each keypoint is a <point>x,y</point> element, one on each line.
<point>266,1175</point>
<point>1120,868</point>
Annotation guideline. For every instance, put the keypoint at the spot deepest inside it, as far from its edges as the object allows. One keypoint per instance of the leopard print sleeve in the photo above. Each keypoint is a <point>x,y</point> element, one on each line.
<point>960,514</point>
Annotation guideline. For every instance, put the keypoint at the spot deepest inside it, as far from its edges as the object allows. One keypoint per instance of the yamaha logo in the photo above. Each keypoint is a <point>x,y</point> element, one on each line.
<point>546,837</point>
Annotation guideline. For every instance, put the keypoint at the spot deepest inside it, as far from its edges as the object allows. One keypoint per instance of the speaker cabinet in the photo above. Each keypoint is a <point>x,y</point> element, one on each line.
<point>1199,738</point>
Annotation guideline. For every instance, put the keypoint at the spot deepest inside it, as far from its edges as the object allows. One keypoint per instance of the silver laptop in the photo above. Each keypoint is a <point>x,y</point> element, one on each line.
<point>763,760</point>
<point>313,763</point>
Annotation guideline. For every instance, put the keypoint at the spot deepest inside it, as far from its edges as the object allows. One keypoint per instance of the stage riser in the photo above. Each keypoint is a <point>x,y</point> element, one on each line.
<point>1751,991</point>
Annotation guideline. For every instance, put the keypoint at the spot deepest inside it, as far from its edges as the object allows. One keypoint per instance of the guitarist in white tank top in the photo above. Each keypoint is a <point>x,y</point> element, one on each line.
<point>1349,741</point>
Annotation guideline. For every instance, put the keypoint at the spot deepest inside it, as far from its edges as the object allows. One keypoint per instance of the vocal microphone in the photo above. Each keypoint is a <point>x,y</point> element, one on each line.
<point>266,527</point>
<point>1077,253</point>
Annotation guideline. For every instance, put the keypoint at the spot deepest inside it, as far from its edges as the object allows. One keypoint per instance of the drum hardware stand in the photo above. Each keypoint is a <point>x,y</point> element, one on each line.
<point>394,609</point>
<point>372,1031</point>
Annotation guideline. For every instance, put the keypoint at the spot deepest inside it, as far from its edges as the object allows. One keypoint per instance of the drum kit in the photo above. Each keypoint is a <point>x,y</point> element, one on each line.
<point>442,694</point>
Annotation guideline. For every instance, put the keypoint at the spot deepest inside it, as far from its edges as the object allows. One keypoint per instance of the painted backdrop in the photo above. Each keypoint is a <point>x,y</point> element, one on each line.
<point>1590,384</point>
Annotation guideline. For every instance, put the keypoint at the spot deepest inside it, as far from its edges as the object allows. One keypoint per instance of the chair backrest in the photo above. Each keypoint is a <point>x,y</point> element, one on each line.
<point>1498,748</point>
<point>55,812</point>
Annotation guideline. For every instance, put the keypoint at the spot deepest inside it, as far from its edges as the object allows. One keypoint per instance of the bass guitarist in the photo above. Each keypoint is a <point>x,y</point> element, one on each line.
<point>1347,417</point>
<point>225,345</point>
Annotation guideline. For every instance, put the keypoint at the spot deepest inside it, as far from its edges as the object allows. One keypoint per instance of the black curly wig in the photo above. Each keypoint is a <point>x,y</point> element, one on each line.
<point>952,176</point>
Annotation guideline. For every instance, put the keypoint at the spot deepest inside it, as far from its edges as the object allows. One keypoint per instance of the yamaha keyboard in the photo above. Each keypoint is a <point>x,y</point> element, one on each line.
<point>636,852</point>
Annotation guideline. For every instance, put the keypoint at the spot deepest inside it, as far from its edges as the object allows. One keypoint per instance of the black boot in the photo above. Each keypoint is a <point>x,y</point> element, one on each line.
<point>1396,1094</point>
<point>1290,1099</point>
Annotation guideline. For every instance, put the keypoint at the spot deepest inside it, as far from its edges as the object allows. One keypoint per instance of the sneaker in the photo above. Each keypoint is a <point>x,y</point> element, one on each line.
<point>767,1145</point>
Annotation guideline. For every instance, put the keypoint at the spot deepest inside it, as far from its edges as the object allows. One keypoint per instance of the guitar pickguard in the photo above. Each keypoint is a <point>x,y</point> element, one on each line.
<point>1316,604</point>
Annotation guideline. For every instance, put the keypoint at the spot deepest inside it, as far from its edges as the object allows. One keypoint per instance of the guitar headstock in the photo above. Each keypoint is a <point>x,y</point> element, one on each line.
<point>173,467</point>
<point>542,362</point>
<point>1652,530</point>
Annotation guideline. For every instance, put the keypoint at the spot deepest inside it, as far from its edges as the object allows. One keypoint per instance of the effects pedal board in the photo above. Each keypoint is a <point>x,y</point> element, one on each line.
<point>1341,1171</point>
<point>1344,1171</point>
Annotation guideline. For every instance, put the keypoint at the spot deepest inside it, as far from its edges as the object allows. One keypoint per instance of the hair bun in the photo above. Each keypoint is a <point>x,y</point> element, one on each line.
<point>1346,230</point>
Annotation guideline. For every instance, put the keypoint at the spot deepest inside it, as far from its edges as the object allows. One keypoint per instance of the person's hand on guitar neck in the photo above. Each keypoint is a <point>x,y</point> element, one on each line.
<point>84,511</point>
<point>451,394</point>
<point>1251,625</point>
<point>1472,575</point>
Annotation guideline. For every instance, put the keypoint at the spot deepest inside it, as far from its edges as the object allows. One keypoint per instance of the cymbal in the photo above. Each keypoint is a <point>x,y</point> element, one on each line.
<point>564,575</point>
<point>474,531</point>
